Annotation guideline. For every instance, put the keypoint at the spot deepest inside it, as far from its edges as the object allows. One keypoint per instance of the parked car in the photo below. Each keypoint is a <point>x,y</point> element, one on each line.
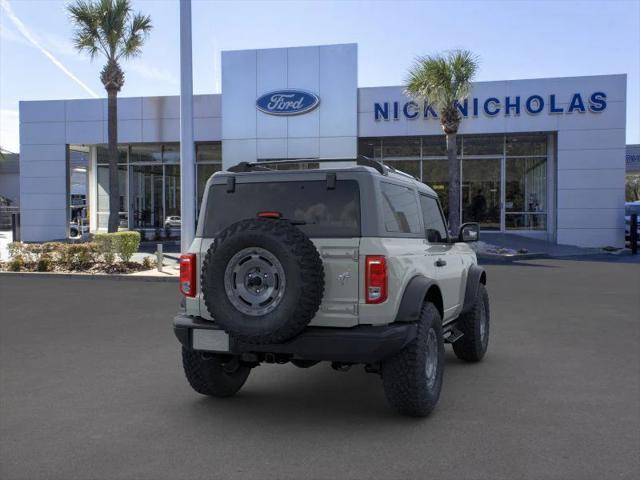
<point>629,209</point>
<point>172,222</point>
<point>350,265</point>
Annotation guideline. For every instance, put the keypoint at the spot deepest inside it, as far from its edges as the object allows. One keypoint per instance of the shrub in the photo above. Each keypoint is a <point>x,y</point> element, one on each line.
<point>78,256</point>
<point>148,263</point>
<point>104,243</point>
<point>126,244</point>
<point>16,263</point>
<point>45,264</point>
<point>15,249</point>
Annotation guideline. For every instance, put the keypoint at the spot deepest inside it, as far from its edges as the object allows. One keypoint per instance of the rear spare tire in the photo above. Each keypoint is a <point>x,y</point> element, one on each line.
<point>262,280</point>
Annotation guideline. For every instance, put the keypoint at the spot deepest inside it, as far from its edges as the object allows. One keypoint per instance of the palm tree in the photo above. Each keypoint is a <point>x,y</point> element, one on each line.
<point>112,29</point>
<point>443,81</point>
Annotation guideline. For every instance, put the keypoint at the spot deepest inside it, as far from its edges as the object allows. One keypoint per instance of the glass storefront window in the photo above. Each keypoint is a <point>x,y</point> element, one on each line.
<point>507,189</point>
<point>102,152</point>
<point>525,221</point>
<point>370,147</point>
<point>172,190</point>
<point>209,161</point>
<point>396,148</point>
<point>482,145</point>
<point>433,146</point>
<point>103,195</point>
<point>526,145</point>
<point>141,153</point>
<point>205,170</point>
<point>209,152</point>
<point>146,191</point>
<point>412,167</point>
<point>525,193</point>
<point>435,173</point>
<point>171,153</point>
<point>481,192</point>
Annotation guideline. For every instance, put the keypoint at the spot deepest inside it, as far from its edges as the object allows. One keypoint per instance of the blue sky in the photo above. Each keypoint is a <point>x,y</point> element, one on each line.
<point>514,39</point>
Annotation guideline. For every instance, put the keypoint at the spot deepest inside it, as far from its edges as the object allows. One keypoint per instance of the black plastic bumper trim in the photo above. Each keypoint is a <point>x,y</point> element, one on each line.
<point>361,344</point>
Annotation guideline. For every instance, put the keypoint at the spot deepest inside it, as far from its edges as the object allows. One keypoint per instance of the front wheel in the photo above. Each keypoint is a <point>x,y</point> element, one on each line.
<point>215,375</point>
<point>412,378</point>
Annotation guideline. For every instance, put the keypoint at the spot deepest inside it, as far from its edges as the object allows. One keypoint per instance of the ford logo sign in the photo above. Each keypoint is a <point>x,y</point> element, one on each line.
<point>287,102</point>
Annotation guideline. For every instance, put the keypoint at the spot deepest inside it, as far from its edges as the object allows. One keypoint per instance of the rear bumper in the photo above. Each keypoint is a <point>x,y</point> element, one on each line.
<point>361,344</point>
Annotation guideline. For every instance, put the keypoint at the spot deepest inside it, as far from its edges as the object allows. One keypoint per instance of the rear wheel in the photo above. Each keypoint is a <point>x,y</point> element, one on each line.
<point>412,378</point>
<point>475,328</point>
<point>215,375</point>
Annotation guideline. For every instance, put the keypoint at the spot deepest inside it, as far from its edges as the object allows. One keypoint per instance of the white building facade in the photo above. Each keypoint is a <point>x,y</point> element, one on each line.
<point>543,157</point>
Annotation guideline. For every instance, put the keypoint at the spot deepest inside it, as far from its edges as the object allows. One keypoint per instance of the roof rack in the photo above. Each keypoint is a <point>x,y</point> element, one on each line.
<point>263,165</point>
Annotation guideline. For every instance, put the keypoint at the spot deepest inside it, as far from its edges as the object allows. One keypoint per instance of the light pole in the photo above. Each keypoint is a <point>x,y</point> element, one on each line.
<point>187,146</point>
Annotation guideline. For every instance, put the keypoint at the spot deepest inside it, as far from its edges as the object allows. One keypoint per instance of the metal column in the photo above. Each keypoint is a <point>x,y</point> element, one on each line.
<point>187,146</point>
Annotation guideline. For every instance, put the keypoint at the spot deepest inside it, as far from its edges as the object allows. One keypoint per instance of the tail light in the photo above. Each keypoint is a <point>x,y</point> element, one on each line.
<point>188,275</point>
<point>375,278</point>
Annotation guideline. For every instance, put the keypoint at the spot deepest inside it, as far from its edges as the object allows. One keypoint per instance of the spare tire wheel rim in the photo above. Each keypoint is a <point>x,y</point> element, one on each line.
<point>254,281</point>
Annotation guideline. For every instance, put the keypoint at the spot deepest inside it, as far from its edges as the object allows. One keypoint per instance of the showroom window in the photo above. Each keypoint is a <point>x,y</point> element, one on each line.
<point>149,183</point>
<point>208,162</point>
<point>503,177</point>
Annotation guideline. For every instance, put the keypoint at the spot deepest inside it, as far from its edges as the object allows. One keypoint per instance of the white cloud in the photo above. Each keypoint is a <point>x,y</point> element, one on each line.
<point>9,130</point>
<point>26,33</point>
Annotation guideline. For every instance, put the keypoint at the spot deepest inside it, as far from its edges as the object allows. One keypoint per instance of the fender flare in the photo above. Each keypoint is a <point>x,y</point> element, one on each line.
<point>475,277</point>
<point>414,295</point>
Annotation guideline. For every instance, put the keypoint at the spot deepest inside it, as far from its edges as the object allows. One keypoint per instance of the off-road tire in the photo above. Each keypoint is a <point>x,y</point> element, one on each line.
<point>472,346</point>
<point>213,376</point>
<point>303,271</point>
<point>300,363</point>
<point>404,375</point>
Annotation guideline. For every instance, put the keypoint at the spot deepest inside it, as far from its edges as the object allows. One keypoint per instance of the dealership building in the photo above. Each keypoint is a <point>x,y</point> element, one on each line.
<point>544,158</point>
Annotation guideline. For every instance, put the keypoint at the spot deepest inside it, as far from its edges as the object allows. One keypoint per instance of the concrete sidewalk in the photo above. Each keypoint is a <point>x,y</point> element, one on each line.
<point>534,246</point>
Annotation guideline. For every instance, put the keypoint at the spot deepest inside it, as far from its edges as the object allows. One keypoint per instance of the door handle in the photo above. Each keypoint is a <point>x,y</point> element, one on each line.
<point>440,262</point>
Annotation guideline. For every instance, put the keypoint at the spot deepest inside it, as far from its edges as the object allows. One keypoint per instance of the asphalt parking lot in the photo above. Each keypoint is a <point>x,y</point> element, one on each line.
<point>91,387</point>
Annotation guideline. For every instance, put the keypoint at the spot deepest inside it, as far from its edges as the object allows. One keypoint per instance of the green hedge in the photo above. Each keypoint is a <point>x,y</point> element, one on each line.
<point>125,244</point>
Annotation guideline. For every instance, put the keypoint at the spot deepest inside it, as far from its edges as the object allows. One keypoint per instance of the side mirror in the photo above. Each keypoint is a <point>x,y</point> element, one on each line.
<point>469,232</point>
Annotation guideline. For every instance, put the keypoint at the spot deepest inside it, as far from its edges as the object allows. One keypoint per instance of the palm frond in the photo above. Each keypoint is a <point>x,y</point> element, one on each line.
<point>443,79</point>
<point>108,27</point>
<point>139,29</point>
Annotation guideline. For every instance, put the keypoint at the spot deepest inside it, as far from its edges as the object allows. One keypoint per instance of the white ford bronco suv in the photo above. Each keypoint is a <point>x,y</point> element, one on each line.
<point>351,264</point>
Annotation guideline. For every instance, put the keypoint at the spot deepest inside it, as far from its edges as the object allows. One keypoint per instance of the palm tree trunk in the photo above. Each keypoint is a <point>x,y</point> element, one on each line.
<point>114,186</point>
<point>454,184</point>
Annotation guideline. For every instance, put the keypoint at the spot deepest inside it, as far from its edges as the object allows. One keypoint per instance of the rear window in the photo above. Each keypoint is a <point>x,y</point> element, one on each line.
<point>321,212</point>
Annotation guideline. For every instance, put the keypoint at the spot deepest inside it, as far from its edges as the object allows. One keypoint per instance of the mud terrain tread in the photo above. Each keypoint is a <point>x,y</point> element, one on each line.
<point>403,376</point>
<point>469,348</point>
<point>208,377</point>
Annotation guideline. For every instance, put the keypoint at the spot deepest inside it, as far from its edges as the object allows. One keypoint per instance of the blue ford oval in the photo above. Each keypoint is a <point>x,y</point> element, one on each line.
<point>287,102</point>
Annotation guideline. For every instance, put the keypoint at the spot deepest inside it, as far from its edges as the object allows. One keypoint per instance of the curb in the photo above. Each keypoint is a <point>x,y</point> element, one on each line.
<point>90,276</point>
